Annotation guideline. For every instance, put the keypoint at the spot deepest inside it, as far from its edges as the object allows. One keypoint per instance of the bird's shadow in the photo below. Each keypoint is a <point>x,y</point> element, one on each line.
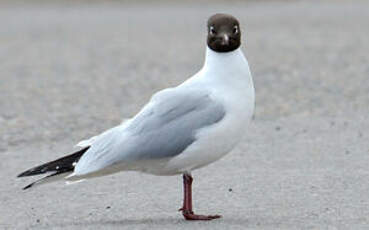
<point>144,221</point>
<point>126,222</point>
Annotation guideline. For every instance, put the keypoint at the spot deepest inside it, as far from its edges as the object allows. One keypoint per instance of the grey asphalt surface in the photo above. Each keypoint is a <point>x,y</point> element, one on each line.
<point>69,71</point>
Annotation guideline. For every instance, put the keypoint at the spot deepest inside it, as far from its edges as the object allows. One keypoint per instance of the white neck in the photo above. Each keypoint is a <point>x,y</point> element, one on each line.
<point>219,60</point>
<point>226,70</point>
<point>230,68</point>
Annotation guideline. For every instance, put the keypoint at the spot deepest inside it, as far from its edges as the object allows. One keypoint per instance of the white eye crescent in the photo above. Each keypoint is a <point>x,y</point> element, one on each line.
<point>235,29</point>
<point>212,30</point>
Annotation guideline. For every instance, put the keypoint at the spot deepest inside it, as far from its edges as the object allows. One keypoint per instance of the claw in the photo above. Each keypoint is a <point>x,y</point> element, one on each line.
<point>192,216</point>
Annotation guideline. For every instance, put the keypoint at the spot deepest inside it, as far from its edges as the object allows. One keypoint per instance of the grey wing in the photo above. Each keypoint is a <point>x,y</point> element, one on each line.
<point>170,125</point>
<point>164,128</point>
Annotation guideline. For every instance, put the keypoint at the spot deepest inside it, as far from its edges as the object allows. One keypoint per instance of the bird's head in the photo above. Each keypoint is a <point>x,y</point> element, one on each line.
<point>224,34</point>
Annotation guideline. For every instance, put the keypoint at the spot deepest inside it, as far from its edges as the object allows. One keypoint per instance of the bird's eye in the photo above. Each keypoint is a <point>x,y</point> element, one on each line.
<point>235,29</point>
<point>212,31</point>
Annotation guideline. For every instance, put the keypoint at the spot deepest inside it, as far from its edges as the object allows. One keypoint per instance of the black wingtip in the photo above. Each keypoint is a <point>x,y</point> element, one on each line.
<point>61,164</point>
<point>20,175</point>
<point>29,186</point>
<point>26,173</point>
<point>34,171</point>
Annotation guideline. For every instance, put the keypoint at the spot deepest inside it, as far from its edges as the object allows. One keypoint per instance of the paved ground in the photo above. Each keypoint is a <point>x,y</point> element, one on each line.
<point>70,71</point>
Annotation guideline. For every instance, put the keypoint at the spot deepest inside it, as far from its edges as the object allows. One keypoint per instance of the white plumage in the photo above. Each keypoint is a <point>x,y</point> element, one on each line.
<point>225,78</point>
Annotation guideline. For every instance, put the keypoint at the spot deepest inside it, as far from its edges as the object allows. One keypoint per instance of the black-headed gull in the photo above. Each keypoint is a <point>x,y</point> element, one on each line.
<point>181,129</point>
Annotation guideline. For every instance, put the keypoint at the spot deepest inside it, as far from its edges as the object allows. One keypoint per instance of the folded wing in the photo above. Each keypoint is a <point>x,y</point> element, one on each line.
<point>164,128</point>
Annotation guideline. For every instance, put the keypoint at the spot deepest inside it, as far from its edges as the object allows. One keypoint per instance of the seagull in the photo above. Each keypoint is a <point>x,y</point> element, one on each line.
<point>180,129</point>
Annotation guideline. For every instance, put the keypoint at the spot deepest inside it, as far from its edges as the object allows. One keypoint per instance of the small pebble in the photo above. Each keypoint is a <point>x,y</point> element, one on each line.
<point>230,190</point>
<point>38,220</point>
<point>277,128</point>
<point>108,207</point>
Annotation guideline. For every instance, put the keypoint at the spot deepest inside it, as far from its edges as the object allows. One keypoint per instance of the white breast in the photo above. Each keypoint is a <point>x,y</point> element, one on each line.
<point>227,77</point>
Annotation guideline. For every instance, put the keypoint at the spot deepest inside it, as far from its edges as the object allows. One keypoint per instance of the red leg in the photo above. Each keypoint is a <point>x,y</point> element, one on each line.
<point>187,211</point>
